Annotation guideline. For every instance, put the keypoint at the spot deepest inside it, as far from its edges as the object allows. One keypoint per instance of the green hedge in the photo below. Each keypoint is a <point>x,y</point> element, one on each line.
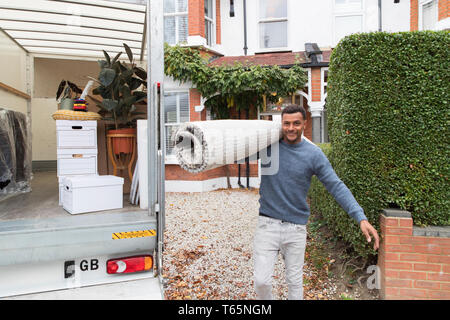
<point>388,116</point>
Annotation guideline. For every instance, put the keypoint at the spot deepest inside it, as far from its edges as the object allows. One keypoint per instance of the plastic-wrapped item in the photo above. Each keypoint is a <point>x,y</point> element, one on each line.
<point>15,153</point>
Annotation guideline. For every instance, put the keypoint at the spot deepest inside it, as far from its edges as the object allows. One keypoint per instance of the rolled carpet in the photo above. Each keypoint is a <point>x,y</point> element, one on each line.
<point>205,145</point>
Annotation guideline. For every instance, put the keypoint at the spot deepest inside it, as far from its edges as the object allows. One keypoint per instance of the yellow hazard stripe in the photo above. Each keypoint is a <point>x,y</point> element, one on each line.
<point>133,234</point>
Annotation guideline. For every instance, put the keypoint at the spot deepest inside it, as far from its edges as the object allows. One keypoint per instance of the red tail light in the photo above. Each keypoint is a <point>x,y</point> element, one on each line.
<point>129,264</point>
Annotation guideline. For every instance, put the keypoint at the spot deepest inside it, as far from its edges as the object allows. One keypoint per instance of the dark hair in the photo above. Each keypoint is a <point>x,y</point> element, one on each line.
<point>294,108</point>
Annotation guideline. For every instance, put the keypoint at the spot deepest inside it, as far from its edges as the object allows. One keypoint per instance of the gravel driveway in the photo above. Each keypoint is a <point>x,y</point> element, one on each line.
<point>208,248</point>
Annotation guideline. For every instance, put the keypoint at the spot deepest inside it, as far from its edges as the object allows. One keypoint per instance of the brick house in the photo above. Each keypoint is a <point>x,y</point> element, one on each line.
<point>265,32</point>
<point>429,15</point>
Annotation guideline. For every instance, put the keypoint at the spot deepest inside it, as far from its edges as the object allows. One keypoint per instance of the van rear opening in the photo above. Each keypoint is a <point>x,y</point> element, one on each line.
<point>43,247</point>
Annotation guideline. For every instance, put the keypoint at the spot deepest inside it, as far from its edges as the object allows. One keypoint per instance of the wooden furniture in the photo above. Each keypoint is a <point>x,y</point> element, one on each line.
<point>122,161</point>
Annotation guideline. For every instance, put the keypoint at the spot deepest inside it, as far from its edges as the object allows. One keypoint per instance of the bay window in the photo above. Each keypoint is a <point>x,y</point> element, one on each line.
<point>209,22</point>
<point>175,21</point>
<point>176,111</point>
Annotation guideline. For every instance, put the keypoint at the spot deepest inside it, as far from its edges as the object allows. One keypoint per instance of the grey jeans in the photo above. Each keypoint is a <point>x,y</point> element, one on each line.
<point>273,236</point>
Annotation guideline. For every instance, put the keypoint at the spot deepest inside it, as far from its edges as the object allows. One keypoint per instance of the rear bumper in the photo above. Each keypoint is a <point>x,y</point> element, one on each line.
<point>142,289</point>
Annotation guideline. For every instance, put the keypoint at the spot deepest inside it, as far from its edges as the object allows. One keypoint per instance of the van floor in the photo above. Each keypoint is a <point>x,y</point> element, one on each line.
<point>42,201</point>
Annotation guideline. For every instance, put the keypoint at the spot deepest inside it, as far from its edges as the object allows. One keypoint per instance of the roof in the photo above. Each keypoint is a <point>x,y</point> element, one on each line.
<point>75,27</point>
<point>269,59</point>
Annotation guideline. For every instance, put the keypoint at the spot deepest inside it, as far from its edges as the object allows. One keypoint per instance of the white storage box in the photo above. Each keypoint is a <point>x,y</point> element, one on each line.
<point>60,189</point>
<point>92,193</point>
<point>76,161</point>
<point>76,134</point>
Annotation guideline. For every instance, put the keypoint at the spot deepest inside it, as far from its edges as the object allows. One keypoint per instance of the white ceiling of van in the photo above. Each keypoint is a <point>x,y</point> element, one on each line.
<point>75,27</point>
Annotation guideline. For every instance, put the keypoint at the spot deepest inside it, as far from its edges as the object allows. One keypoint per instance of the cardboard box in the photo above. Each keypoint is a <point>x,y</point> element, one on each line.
<point>76,134</point>
<point>91,193</point>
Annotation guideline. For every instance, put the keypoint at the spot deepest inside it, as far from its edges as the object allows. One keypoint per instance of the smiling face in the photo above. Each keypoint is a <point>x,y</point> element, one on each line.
<point>293,125</point>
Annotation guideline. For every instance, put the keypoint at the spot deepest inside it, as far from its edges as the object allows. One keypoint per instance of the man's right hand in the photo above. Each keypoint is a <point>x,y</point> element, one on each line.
<point>368,230</point>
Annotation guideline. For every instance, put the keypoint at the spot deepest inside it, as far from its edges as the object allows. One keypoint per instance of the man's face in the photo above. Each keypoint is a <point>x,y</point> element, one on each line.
<point>293,125</point>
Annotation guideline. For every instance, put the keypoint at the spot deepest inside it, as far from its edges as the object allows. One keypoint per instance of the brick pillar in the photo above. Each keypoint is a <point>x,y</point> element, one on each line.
<point>316,83</point>
<point>414,15</point>
<point>414,263</point>
<point>194,100</point>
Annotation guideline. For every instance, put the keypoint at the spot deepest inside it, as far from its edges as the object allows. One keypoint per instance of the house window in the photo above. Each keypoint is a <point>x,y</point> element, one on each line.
<point>175,21</point>
<point>209,22</point>
<point>176,111</point>
<point>273,23</point>
<point>428,14</point>
<point>348,18</point>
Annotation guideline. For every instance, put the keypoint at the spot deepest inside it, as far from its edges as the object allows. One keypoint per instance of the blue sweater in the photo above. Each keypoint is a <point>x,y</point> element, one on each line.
<point>283,195</point>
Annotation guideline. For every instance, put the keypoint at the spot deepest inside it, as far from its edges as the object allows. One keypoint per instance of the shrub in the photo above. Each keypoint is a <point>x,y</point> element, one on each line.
<point>388,124</point>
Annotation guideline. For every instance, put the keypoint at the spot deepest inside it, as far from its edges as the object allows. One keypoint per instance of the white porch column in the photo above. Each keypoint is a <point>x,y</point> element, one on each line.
<point>316,108</point>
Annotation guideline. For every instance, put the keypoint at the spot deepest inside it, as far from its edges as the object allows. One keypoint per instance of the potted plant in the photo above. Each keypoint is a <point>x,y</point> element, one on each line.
<point>71,92</point>
<point>119,85</point>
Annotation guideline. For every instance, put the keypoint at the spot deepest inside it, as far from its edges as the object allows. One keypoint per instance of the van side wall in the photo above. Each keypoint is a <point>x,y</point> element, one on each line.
<point>13,63</point>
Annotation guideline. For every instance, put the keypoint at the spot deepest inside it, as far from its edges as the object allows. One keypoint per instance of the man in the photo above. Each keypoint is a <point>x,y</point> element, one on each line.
<point>284,212</point>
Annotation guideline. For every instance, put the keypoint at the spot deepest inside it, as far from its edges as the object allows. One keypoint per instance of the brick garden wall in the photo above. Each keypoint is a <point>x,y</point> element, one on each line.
<point>414,262</point>
<point>175,172</point>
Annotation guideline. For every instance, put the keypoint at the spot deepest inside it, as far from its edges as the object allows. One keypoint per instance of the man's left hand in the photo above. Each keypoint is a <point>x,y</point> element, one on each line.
<point>368,230</point>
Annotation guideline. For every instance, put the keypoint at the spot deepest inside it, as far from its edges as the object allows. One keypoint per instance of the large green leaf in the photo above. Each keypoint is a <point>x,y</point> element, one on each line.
<point>140,72</point>
<point>109,104</point>
<point>140,95</point>
<point>116,57</point>
<point>74,87</point>
<point>107,76</point>
<point>108,59</point>
<point>135,83</point>
<point>102,64</point>
<point>126,91</point>
<point>128,51</point>
<point>61,86</point>
<point>126,75</point>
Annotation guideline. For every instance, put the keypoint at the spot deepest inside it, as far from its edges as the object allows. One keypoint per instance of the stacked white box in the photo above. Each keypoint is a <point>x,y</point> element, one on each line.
<point>76,143</point>
<point>90,193</point>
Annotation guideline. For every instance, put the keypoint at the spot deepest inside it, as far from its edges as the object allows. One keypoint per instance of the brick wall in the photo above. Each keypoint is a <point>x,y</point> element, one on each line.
<point>218,23</point>
<point>444,9</point>
<point>196,18</point>
<point>414,262</point>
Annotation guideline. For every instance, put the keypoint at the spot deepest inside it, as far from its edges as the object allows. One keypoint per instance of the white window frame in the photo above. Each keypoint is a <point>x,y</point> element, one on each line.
<point>348,10</point>
<point>323,83</point>
<point>171,158</point>
<point>261,48</point>
<point>323,97</point>
<point>422,3</point>
<point>179,14</point>
<point>213,24</point>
